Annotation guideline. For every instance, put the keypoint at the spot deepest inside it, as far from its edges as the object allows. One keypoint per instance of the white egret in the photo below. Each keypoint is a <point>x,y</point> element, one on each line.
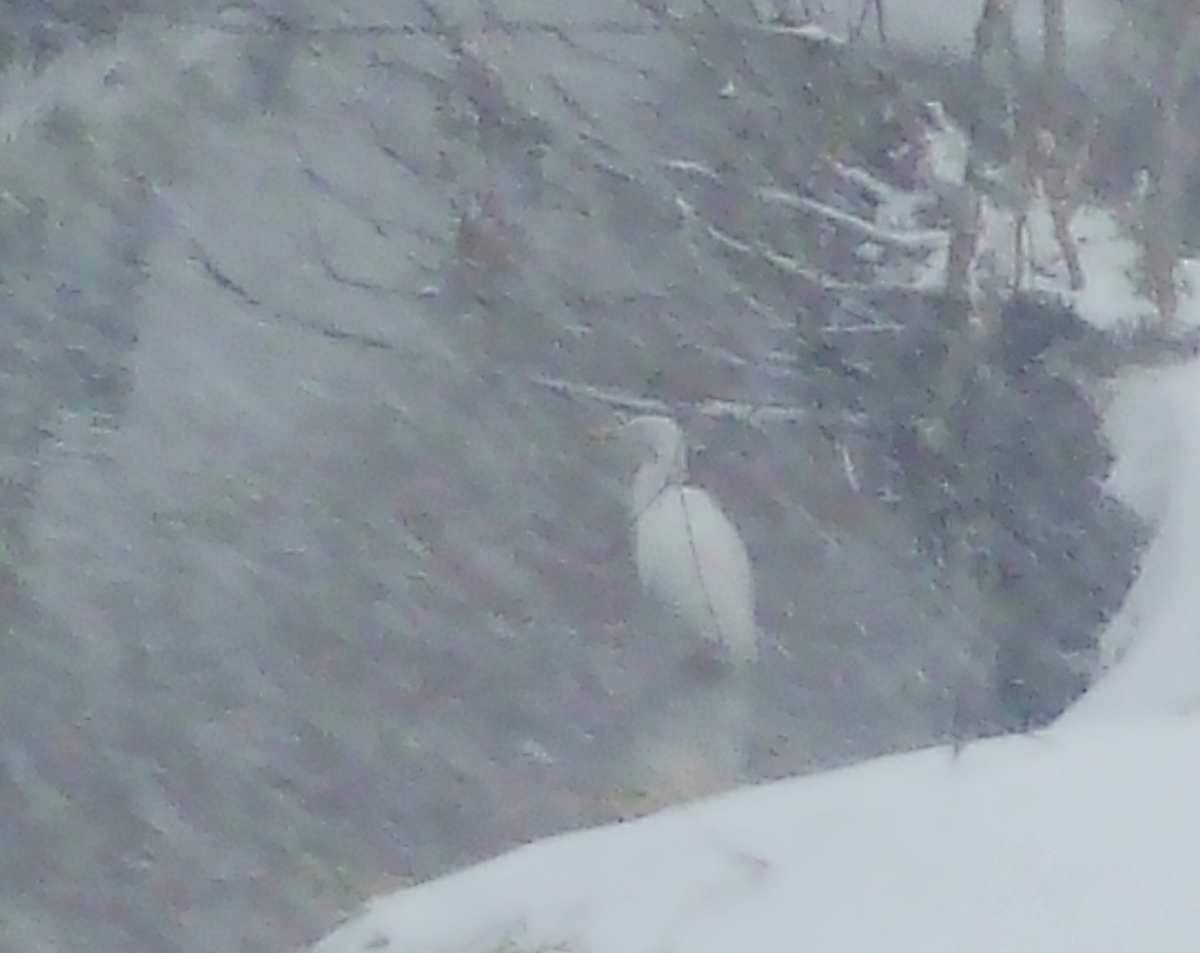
<point>687,552</point>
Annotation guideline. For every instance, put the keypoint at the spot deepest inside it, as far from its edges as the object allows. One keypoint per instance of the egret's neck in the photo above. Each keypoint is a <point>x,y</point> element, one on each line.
<point>649,481</point>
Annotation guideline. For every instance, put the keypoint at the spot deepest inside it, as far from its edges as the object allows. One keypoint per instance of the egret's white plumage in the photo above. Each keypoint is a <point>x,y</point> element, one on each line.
<point>687,552</point>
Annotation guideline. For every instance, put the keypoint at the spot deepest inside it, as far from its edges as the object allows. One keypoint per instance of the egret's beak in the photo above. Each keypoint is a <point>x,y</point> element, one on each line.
<point>605,434</point>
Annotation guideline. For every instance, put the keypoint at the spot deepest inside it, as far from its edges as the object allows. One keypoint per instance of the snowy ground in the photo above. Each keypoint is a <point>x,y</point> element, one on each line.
<point>1080,838</point>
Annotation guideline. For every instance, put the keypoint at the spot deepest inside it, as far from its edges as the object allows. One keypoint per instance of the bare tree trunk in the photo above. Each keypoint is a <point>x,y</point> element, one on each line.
<point>880,23</point>
<point>1161,232</point>
<point>1049,147</point>
<point>993,67</point>
<point>1054,57</point>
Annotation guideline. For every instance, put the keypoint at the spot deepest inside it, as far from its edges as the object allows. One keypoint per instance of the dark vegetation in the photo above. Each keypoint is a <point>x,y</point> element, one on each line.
<point>1006,480</point>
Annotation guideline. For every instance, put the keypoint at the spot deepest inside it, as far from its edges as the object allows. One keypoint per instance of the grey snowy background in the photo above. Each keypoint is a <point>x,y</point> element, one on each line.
<point>313,582</point>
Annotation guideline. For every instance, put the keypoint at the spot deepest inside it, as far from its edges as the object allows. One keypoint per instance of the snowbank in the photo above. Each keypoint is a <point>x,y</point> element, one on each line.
<point>1077,839</point>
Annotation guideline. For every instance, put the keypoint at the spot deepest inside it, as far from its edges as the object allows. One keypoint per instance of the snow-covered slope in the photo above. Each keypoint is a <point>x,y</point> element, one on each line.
<point>1077,839</point>
<point>1153,645</point>
<point>1083,837</point>
<point>1151,650</point>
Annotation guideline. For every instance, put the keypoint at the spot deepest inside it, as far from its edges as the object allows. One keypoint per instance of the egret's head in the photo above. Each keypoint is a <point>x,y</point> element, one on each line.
<point>658,441</point>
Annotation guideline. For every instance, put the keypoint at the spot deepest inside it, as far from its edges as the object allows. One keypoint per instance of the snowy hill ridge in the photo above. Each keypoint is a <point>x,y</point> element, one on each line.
<point>1151,645</point>
<point>1077,838</point>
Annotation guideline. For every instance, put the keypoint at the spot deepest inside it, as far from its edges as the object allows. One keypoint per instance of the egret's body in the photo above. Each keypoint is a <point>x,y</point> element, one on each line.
<point>687,552</point>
